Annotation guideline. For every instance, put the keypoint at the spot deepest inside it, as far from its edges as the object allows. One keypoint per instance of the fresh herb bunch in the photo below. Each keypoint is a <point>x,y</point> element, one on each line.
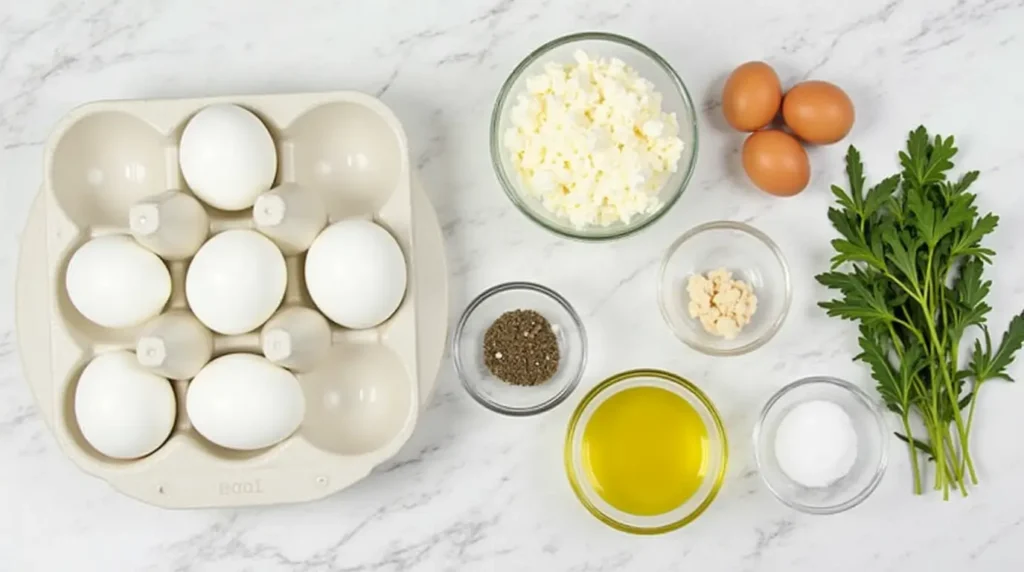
<point>912,264</point>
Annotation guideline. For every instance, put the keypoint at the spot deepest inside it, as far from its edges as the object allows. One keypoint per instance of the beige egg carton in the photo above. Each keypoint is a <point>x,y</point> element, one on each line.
<point>362,399</point>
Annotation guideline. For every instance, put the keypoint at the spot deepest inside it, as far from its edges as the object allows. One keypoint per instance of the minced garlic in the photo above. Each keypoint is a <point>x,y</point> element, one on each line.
<point>723,305</point>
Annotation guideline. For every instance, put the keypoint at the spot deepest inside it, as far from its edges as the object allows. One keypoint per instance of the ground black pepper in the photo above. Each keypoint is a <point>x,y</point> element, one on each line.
<point>521,348</point>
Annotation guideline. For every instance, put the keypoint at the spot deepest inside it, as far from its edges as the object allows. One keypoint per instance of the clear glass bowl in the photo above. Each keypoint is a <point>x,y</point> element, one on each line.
<point>872,453</point>
<point>651,66</point>
<point>752,257</point>
<point>468,349</point>
<point>715,463</point>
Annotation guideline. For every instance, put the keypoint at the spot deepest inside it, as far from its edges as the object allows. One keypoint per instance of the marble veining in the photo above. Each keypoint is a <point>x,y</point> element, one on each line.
<point>473,491</point>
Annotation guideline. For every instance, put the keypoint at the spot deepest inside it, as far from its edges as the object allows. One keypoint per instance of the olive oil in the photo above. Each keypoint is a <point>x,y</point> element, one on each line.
<point>645,451</point>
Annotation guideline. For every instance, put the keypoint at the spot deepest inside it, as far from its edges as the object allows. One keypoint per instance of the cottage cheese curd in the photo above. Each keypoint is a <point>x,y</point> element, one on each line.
<point>590,141</point>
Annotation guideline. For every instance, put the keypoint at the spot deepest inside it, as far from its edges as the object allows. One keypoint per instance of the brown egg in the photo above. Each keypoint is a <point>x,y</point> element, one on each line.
<point>818,112</point>
<point>776,162</point>
<point>751,97</point>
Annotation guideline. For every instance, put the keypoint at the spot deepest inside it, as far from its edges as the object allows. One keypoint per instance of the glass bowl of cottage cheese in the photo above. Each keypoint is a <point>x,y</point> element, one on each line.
<point>594,136</point>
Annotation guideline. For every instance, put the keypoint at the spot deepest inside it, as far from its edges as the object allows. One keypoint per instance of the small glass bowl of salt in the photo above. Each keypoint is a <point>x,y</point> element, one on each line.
<point>821,445</point>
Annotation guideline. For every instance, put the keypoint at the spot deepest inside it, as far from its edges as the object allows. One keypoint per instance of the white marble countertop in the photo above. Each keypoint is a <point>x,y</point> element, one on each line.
<point>472,490</point>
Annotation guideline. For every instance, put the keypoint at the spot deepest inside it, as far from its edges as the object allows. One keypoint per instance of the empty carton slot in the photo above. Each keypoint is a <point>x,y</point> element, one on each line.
<point>348,152</point>
<point>358,401</point>
<point>105,162</point>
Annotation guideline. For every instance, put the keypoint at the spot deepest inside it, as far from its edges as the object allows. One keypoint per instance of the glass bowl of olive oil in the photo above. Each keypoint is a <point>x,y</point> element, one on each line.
<point>646,451</point>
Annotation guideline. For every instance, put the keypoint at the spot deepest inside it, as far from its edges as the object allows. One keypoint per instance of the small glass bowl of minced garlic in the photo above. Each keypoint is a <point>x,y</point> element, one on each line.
<point>724,288</point>
<point>519,348</point>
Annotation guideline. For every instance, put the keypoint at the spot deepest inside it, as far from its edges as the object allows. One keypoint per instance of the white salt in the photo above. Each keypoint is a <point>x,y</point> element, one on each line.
<point>816,443</point>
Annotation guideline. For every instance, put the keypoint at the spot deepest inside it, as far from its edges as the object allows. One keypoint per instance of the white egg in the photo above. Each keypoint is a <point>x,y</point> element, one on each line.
<point>116,283</point>
<point>355,273</point>
<point>236,281</point>
<point>124,411</point>
<point>227,156</point>
<point>242,401</point>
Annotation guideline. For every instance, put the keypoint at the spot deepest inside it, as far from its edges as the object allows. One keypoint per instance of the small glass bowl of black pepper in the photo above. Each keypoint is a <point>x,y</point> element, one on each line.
<point>519,348</point>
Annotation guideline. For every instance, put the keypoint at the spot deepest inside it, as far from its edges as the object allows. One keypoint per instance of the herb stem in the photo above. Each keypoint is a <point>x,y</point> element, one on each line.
<point>974,399</point>
<point>932,438</point>
<point>914,330</point>
<point>905,412</point>
<point>931,294</point>
<point>970,421</point>
<point>948,381</point>
<point>912,293</point>
<point>953,466</point>
<point>913,452</point>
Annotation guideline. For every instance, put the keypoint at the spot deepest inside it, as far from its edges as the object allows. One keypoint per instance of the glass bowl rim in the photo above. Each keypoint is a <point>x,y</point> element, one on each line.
<point>505,180</point>
<point>688,387</point>
<point>754,233</point>
<point>460,369</point>
<point>876,413</point>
